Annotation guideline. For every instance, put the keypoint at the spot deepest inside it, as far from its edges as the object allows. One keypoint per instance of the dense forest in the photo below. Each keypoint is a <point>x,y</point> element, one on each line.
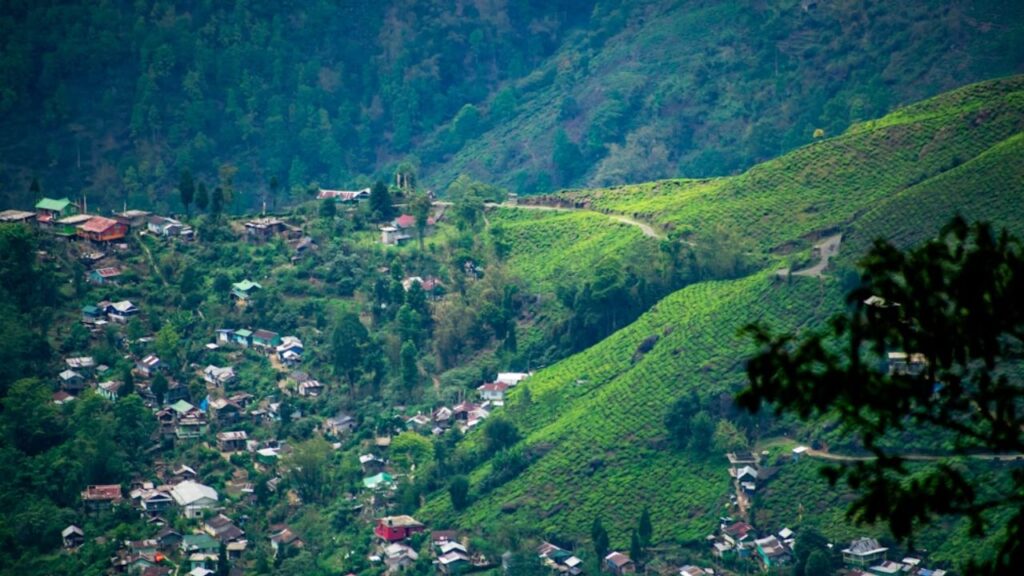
<point>114,99</point>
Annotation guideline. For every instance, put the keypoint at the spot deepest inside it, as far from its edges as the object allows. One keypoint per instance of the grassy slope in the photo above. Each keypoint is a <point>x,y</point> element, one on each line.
<point>550,247</point>
<point>714,87</point>
<point>829,183</point>
<point>599,415</point>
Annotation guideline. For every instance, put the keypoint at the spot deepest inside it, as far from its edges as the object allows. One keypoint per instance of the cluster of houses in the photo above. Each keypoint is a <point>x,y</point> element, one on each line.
<point>105,312</point>
<point>197,552</point>
<point>558,560</point>
<point>288,349</point>
<point>79,372</point>
<point>431,285</point>
<point>740,540</point>
<point>403,229</point>
<point>83,372</point>
<point>165,226</point>
<point>450,555</point>
<point>867,557</point>
<point>467,415</point>
<point>67,219</point>
<point>266,228</point>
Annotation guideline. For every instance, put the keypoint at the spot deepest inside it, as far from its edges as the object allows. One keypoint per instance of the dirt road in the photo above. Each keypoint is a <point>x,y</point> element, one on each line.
<point>647,229</point>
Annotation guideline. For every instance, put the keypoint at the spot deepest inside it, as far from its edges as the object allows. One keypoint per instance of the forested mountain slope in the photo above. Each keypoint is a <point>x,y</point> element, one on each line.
<point>263,98</point>
<point>595,440</point>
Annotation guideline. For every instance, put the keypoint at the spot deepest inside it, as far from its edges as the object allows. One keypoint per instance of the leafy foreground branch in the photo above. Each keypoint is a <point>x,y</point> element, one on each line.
<point>931,340</point>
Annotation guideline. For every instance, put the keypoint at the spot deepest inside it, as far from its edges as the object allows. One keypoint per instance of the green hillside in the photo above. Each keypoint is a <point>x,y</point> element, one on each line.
<point>114,100</point>
<point>831,182</point>
<point>593,429</point>
<point>696,89</point>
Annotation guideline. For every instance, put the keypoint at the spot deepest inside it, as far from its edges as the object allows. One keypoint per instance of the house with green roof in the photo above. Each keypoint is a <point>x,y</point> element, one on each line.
<point>182,407</point>
<point>243,337</point>
<point>382,480</point>
<point>90,314</point>
<point>49,210</point>
<point>199,543</point>
<point>245,289</point>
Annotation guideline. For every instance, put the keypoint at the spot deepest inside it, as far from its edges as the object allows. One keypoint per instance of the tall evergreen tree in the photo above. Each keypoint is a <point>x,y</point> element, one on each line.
<point>217,201</point>
<point>35,189</point>
<point>410,370</point>
<point>644,528</point>
<point>187,188</point>
<point>599,536</point>
<point>202,197</point>
<point>274,186</point>
<point>380,201</point>
<point>421,210</point>
<point>159,387</point>
<point>223,565</point>
<point>636,548</point>
<point>349,342</point>
<point>127,383</point>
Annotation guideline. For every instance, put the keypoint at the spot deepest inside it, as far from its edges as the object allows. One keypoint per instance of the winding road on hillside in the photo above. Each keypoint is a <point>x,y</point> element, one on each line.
<point>825,455</point>
<point>647,229</point>
<point>825,250</point>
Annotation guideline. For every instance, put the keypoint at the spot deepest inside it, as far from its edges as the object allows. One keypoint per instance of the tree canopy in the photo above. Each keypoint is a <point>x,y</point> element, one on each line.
<point>953,305</point>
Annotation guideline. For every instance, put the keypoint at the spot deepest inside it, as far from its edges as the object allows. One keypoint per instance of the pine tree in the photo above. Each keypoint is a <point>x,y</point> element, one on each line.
<point>127,383</point>
<point>410,370</point>
<point>644,528</point>
<point>159,387</point>
<point>274,186</point>
<point>217,201</point>
<point>599,536</point>
<point>223,566</point>
<point>636,549</point>
<point>511,344</point>
<point>202,197</point>
<point>380,201</point>
<point>187,188</point>
<point>421,210</point>
<point>35,189</point>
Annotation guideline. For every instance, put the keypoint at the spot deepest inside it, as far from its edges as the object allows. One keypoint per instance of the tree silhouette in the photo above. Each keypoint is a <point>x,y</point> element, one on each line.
<point>187,188</point>
<point>956,302</point>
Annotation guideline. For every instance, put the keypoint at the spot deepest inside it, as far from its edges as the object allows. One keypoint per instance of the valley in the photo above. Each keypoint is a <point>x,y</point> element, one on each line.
<point>511,288</point>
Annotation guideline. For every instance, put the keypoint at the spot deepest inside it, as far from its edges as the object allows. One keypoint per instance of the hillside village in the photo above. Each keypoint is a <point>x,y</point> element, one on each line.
<point>222,440</point>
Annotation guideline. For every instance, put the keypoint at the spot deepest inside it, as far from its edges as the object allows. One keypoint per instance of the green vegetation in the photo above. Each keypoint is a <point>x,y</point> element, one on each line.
<point>594,425</point>
<point>628,305</point>
<point>265,101</point>
<point>955,301</point>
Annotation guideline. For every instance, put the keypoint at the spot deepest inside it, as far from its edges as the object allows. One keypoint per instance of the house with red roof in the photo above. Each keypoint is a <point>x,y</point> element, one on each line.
<point>100,229</point>
<point>494,392</point>
<point>101,496</point>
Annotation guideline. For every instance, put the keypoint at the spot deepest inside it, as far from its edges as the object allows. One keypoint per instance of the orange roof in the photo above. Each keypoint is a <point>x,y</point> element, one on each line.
<point>98,224</point>
<point>102,492</point>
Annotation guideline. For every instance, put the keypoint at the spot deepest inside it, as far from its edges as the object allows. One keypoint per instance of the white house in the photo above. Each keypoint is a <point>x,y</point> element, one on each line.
<point>121,311</point>
<point>512,378</point>
<point>219,376</point>
<point>194,498</point>
<point>864,552</point>
<point>493,391</point>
